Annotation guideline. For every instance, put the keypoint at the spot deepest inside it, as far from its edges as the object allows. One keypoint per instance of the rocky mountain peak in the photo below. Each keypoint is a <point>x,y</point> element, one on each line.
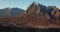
<point>35,9</point>
<point>53,10</point>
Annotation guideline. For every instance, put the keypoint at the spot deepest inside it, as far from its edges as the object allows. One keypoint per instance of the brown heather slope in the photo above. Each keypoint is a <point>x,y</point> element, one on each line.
<point>33,17</point>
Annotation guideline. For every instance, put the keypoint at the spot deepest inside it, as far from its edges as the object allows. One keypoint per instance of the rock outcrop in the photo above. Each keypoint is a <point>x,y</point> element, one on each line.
<point>33,10</point>
<point>36,9</point>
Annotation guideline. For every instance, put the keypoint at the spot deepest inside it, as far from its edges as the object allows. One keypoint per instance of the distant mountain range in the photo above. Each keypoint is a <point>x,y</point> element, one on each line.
<point>36,15</point>
<point>11,11</point>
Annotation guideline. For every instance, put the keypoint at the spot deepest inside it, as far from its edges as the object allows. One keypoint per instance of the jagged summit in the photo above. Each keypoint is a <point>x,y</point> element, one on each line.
<point>36,9</point>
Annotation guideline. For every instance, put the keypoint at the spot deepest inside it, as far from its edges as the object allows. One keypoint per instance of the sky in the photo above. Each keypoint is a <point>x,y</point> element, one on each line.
<point>23,4</point>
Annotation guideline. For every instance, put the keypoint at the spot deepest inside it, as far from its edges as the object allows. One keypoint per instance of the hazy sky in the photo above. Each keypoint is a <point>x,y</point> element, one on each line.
<point>25,3</point>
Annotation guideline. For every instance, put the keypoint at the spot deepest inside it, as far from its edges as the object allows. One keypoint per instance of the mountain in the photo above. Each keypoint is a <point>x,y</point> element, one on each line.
<point>16,11</point>
<point>1,12</point>
<point>11,11</point>
<point>36,9</point>
<point>36,15</point>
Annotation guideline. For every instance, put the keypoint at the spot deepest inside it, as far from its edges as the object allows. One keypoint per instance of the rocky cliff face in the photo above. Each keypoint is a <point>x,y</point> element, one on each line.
<point>35,9</point>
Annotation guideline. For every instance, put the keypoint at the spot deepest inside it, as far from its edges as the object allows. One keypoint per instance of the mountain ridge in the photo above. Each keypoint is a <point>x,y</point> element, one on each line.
<point>10,12</point>
<point>38,16</point>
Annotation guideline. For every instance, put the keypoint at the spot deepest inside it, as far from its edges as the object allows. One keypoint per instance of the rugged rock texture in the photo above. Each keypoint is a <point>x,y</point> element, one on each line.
<point>33,10</point>
<point>36,9</point>
<point>56,14</point>
<point>37,16</point>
